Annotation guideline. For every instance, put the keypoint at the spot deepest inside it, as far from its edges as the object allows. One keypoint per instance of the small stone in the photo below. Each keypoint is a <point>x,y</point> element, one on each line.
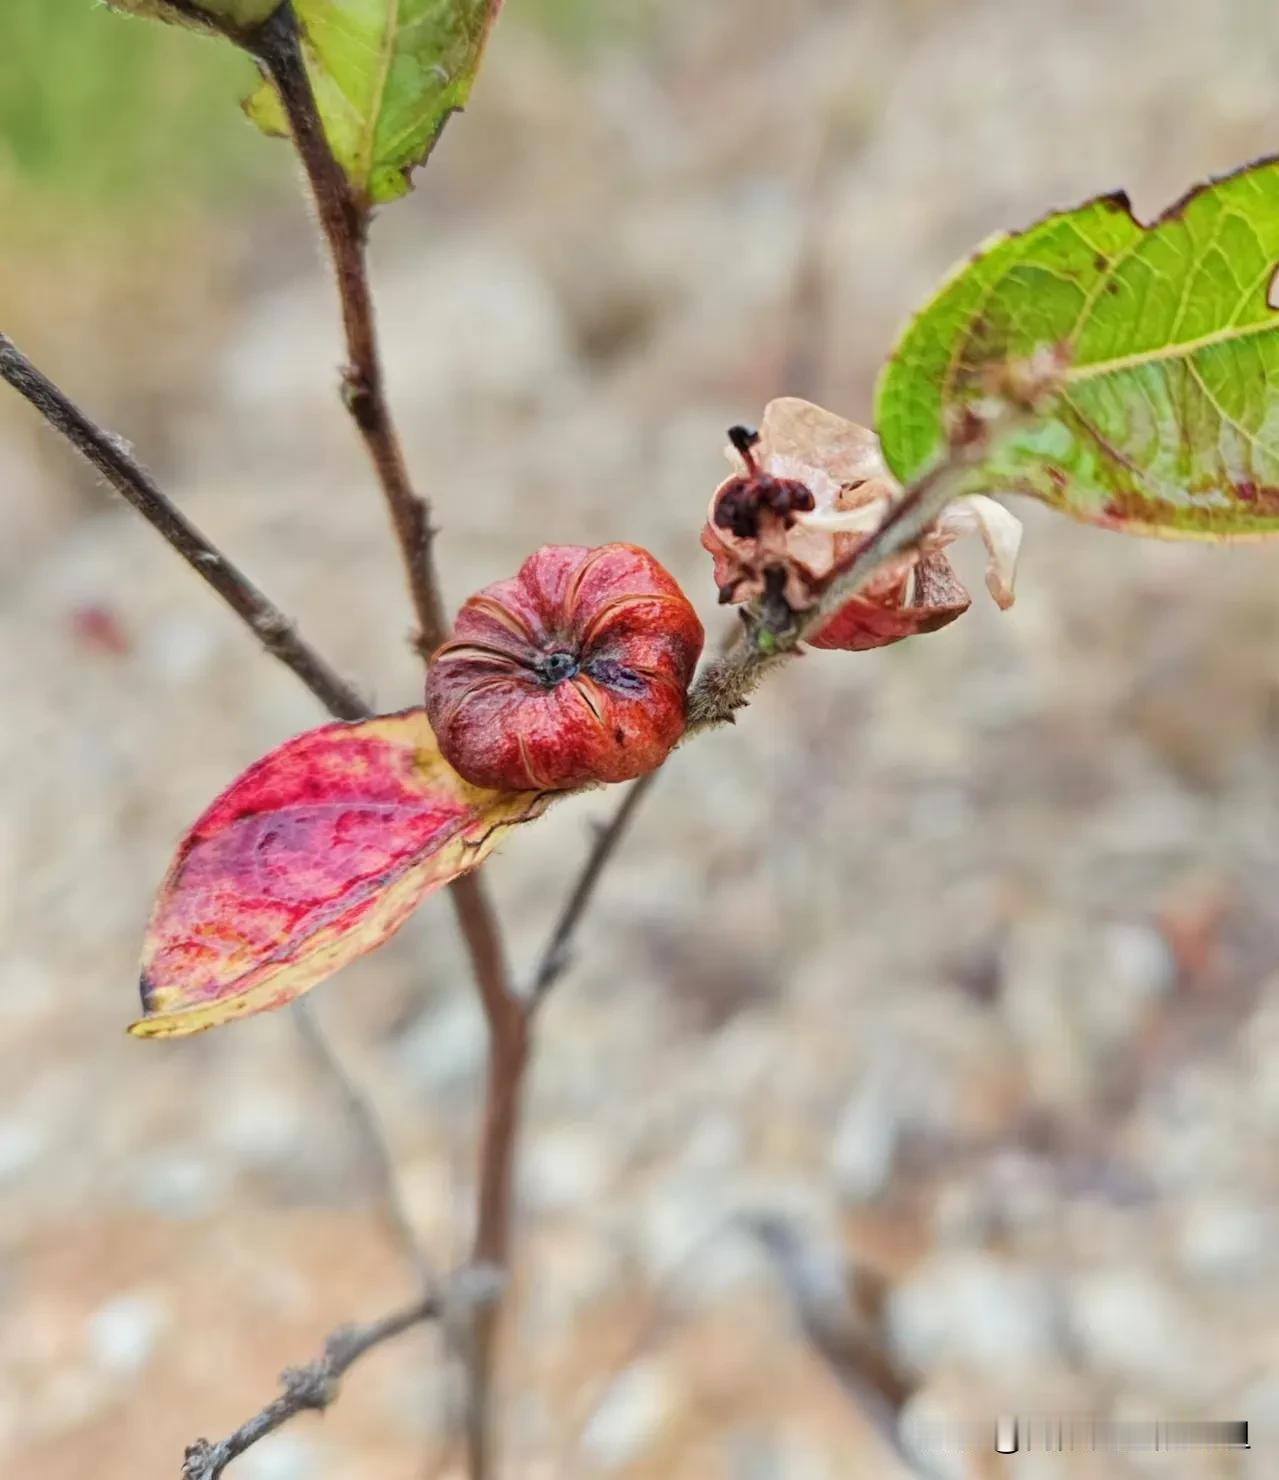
<point>976,1309</point>
<point>123,1333</point>
<point>180,649</point>
<point>259,1128</point>
<point>1136,969</point>
<point>629,1416</point>
<point>1128,1325</point>
<point>179,1186</point>
<point>564,1170</point>
<point>1224,1239</point>
<point>866,1137</point>
<point>443,1053</point>
<point>282,1456</point>
<point>714,1146</point>
<point>21,1144</point>
<point>70,1399</point>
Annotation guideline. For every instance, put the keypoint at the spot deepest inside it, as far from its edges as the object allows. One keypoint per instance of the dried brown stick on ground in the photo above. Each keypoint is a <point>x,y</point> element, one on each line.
<point>377,1159</point>
<point>841,1313</point>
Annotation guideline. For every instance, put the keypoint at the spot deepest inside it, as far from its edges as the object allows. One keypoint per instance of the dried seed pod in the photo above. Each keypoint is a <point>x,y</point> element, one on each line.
<point>574,671</point>
<point>812,488</point>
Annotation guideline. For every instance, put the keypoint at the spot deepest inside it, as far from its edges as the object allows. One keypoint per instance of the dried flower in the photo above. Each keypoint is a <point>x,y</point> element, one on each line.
<point>813,487</point>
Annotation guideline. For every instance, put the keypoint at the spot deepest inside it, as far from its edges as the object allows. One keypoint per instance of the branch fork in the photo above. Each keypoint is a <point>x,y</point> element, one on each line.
<point>317,1385</point>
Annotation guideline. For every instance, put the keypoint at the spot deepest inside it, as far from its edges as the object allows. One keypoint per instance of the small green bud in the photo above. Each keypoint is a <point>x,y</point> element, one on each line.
<point>766,642</point>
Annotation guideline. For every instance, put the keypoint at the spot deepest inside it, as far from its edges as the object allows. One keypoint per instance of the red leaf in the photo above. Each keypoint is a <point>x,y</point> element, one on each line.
<point>312,857</point>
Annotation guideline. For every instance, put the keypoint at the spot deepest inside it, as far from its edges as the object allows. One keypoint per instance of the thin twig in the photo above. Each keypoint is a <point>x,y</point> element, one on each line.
<point>110,456</point>
<point>840,1307</point>
<point>377,1158</point>
<point>315,1386</point>
<point>106,453</point>
<point>556,953</point>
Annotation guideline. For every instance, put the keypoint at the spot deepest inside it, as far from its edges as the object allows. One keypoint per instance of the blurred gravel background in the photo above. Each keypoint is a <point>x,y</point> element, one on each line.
<point>942,995</point>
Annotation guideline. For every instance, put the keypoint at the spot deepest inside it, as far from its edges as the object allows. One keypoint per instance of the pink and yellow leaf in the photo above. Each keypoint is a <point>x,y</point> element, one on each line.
<point>310,859</point>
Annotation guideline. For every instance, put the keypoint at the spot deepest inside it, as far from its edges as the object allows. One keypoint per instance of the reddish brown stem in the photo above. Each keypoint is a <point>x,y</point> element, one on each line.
<point>509,1044</point>
<point>344,218</point>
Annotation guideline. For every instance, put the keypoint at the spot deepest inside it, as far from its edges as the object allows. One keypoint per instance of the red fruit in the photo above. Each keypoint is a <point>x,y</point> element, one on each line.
<point>575,671</point>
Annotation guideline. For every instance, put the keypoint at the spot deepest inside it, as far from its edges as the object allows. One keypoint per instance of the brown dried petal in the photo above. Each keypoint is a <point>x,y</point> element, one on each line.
<point>909,603</point>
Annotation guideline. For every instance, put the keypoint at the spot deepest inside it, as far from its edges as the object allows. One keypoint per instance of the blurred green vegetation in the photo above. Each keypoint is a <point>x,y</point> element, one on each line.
<point>578,26</point>
<point>101,113</point>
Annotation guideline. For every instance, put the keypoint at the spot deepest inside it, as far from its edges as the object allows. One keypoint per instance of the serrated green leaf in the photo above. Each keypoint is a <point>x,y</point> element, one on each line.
<point>386,74</point>
<point>1167,421</point>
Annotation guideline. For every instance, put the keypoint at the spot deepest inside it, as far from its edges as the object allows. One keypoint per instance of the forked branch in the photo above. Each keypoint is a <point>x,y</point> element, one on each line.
<point>316,1385</point>
<point>724,686</point>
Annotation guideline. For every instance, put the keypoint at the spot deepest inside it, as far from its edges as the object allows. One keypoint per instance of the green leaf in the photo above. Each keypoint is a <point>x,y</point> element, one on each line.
<point>386,75</point>
<point>1166,421</point>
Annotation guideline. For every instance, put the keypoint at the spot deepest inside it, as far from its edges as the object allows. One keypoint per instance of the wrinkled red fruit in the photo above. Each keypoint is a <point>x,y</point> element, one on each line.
<point>575,671</point>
